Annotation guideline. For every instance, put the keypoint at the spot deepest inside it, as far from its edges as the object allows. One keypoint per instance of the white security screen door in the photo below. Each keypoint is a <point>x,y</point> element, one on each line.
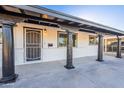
<point>33,45</point>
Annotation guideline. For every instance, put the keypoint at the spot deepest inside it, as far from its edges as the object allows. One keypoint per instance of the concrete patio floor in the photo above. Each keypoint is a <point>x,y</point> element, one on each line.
<point>87,73</point>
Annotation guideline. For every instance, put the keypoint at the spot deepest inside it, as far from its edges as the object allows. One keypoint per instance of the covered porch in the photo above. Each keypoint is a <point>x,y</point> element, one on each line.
<point>87,74</point>
<point>42,16</point>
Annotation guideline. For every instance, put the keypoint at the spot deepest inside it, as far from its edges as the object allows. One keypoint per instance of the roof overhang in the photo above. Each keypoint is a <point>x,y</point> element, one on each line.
<point>59,17</point>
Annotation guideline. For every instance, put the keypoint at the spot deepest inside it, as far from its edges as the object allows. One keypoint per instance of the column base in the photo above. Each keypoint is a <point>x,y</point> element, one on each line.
<point>9,79</point>
<point>100,60</point>
<point>69,67</point>
<point>118,56</point>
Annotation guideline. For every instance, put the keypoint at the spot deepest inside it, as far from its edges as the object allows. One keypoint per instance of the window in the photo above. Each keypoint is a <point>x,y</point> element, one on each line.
<point>62,39</point>
<point>74,40</point>
<point>93,40</point>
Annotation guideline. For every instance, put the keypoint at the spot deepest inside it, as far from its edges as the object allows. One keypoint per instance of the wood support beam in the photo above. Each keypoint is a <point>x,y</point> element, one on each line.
<point>118,47</point>
<point>100,48</point>
<point>69,61</point>
<point>8,65</point>
<point>71,22</point>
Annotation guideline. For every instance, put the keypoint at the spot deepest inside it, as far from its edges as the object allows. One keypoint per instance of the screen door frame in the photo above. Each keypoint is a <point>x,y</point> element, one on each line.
<point>41,46</point>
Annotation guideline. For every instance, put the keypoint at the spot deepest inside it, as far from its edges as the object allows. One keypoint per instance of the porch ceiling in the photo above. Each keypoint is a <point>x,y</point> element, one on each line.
<point>54,18</point>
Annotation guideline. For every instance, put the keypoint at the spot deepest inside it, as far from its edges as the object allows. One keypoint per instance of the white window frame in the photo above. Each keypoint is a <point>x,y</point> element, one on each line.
<point>59,32</point>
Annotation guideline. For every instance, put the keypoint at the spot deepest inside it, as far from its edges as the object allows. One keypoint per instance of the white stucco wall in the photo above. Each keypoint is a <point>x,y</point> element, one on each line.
<point>50,53</point>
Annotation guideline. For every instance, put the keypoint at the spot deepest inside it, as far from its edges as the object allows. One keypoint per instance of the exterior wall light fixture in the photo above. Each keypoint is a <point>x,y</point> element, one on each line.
<point>45,30</point>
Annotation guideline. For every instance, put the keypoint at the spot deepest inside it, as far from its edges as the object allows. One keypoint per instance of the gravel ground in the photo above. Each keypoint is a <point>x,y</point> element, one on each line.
<point>88,73</point>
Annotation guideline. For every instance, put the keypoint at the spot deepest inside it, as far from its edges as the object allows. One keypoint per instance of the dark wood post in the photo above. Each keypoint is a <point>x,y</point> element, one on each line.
<point>100,48</point>
<point>69,61</point>
<point>118,47</point>
<point>8,65</point>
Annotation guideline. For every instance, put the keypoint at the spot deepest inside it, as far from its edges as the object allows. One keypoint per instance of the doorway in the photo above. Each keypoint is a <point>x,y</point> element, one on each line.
<point>33,44</point>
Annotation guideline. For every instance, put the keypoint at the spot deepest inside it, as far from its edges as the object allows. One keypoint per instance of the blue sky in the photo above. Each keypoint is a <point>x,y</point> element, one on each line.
<point>112,15</point>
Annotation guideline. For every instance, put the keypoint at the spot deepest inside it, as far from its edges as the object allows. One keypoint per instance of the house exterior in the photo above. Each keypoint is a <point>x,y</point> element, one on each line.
<point>52,44</point>
<point>33,34</point>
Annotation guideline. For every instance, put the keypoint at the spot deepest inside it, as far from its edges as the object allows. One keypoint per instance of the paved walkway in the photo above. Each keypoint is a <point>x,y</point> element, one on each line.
<point>87,73</point>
